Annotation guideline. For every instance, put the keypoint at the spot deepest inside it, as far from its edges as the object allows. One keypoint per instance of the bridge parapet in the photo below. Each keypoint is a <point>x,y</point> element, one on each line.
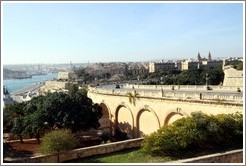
<point>173,94</point>
<point>134,113</point>
<point>185,87</point>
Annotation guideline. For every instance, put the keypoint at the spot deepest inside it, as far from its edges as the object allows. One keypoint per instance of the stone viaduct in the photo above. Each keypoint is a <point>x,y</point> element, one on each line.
<point>139,110</point>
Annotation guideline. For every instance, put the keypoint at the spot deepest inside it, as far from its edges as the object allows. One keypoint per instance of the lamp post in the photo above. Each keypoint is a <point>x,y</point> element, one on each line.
<point>206,78</point>
<point>161,80</point>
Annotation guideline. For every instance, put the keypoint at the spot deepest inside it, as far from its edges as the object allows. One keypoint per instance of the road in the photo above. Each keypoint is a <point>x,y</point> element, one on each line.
<point>34,87</point>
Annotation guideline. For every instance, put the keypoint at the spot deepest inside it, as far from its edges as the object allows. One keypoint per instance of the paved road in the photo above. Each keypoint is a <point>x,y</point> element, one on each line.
<point>33,87</point>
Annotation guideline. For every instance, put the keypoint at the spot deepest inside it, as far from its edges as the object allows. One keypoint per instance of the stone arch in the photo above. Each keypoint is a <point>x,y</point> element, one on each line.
<point>124,119</point>
<point>174,115</point>
<point>147,121</point>
<point>105,120</point>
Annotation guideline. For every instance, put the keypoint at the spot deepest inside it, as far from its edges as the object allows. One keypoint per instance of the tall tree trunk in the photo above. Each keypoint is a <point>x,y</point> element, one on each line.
<point>21,139</point>
<point>58,157</point>
<point>38,137</point>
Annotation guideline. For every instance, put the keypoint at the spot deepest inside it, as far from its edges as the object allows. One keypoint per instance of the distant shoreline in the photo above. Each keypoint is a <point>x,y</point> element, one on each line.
<point>14,85</point>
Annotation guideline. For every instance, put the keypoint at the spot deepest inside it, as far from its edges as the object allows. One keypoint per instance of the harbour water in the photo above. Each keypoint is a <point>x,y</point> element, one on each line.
<point>16,84</point>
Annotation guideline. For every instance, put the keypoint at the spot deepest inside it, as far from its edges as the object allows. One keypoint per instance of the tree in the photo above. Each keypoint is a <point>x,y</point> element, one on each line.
<point>18,127</point>
<point>7,118</point>
<point>216,76</point>
<point>57,141</point>
<point>79,72</point>
<point>236,64</point>
<point>34,117</point>
<point>72,88</point>
<point>13,119</point>
<point>76,112</point>
<point>34,124</point>
<point>240,66</point>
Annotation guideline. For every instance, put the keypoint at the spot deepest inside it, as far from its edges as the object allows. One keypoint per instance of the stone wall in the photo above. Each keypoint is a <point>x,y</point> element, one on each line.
<point>234,156</point>
<point>54,86</point>
<point>157,108</point>
<point>164,92</point>
<point>186,87</point>
<point>82,152</point>
<point>233,77</point>
<point>65,75</point>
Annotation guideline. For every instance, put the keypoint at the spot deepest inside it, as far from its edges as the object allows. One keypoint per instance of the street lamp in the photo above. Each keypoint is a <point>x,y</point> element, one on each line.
<point>206,78</point>
<point>161,80</point>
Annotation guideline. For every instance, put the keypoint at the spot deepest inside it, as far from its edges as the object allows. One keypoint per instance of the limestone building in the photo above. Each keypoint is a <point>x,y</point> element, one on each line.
<point>233,77</point>
<point>65,76</point>
<point>199,62</point>
<point>155,66</point>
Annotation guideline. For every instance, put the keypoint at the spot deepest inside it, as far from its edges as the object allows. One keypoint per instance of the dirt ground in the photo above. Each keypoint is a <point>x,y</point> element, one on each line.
<point>15,149</point>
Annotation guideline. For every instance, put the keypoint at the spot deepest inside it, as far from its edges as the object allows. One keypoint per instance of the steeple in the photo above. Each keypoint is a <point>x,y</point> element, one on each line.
<point>198,56</point>
<point>209,57</point>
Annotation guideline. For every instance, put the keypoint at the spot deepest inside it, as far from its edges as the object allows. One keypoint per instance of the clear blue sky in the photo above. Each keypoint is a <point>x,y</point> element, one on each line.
<point>79,32</point>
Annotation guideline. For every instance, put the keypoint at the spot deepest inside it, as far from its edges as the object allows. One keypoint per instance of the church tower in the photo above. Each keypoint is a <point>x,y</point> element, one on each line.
<point>209,57</point>
<point>199,57</point>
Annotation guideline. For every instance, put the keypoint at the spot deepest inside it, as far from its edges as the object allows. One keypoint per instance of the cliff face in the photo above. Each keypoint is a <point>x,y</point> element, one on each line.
<point>233,77</point>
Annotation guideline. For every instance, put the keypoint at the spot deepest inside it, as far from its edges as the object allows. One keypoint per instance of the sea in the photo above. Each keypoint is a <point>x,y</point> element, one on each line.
<point>16,84</point>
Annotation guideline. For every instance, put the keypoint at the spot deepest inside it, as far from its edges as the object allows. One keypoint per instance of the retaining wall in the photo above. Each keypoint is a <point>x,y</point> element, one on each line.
<point>82,152</point>
<point>235,156</point>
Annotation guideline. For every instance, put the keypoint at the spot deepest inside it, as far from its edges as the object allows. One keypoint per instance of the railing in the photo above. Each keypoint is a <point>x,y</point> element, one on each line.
<point>185,87</point>
<point>196,95</point>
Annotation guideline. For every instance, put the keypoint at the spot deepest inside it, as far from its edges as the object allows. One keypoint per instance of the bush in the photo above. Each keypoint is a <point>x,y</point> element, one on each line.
<point>197,131</point>
<point>57,141</point>
<point>120,135</point>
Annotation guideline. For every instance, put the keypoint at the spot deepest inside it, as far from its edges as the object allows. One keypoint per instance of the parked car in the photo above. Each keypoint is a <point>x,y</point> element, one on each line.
<point>117,86</point>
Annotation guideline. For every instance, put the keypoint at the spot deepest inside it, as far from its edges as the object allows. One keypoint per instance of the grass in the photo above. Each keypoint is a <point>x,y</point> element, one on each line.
<point>135,155</point>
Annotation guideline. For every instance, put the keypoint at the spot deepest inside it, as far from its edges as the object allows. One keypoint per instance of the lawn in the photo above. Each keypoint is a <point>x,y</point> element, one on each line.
<point>135,155</point>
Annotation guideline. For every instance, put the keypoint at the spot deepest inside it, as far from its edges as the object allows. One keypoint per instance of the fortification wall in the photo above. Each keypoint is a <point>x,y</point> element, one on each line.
<point>233,77</point>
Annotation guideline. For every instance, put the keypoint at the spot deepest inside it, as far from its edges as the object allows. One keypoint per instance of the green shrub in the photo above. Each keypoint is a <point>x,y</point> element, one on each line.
<point>197,131</point>
<point>57,141</point>
<point>120,135</point>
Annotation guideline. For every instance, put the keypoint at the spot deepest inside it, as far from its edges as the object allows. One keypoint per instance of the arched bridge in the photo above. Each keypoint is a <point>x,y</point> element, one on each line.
<point>142,109</point>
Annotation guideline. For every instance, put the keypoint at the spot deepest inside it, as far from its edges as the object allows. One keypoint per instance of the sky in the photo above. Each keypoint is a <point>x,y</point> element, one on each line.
<point>119,32</point>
